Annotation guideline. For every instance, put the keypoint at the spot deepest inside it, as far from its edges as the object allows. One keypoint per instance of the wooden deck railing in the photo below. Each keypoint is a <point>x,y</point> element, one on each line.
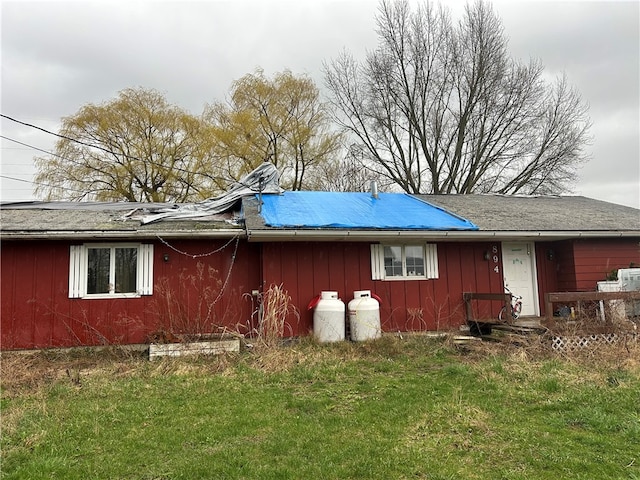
<point>469,297</point>
<point>569,297</point>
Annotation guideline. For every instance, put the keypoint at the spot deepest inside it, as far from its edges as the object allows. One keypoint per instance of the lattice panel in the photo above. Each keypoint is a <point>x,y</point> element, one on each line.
<point>570,344</point>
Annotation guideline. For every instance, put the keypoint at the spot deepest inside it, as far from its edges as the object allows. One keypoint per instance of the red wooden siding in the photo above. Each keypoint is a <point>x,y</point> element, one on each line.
<point>595,259</point>
<point>547,267</point>
<point>578,265</point>
<point>581,264</point>
<point>306,269</point>
<point>36,311</point>
<point>566,269</point>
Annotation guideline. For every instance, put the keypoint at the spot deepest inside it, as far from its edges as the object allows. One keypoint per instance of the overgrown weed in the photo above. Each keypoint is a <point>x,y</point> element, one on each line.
<point>274,314</point>
<point>28,373</point>
<point>24,373</point>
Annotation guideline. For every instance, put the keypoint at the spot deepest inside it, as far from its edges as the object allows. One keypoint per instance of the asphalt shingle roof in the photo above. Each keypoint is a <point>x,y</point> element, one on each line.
<point>539,213</point>
<point>100,218</point>
<point>491,213</point>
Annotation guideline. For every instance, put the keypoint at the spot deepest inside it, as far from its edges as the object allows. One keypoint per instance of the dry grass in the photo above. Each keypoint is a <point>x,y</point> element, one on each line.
<point>402,406</point>
<point>28,373</point>
<point>276,310</point>
<point>23,373</point>
<point>521,356</point>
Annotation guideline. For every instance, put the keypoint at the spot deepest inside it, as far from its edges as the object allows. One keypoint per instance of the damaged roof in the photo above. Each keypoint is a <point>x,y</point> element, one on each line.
<point>213,217</point>
<point>327,217</point>
<point>51,220</point>
<point>506,217</point>
<point>397,211</point>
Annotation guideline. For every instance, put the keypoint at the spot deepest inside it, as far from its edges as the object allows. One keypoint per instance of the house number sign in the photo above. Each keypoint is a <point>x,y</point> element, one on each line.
<point>494,250</point>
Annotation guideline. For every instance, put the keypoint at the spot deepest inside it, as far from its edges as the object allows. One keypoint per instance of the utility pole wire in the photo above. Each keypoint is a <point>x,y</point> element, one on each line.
<point>36,183</point>
<point>37,148</point>
<point>106,150</point>
<point>97,147</point>
<point>232,181</point>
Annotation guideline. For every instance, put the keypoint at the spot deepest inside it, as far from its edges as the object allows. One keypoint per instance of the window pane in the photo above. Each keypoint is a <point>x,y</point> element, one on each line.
<point>393,261</point>
<point>126,266</point>
<point>415,261</point>
<point>98,270</point>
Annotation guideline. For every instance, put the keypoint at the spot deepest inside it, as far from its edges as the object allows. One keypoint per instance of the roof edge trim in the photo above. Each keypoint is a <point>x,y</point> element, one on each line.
<point>329,235</point>
<point>129,235</point>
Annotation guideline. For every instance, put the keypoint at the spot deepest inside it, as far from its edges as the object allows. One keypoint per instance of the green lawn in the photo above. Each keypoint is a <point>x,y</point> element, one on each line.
<point>392,409</point>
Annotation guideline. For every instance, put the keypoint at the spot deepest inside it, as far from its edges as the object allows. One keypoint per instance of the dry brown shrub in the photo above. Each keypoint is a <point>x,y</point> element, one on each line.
<point>522,355</point>
<point>186,309</point>
<point>624,351</point>
<point>591,341</point>
<point>275,312</point>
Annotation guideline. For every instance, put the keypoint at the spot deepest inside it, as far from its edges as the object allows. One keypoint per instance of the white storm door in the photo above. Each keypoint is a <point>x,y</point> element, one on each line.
<point>518,266</point>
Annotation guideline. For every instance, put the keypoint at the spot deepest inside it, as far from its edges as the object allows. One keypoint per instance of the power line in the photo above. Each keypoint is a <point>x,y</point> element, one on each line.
<point>16,179</point>
<point>42,129</point>
<point>42,150</point>
<point>33,182</point>
<point>38,183</point>
<point>103,149</point>
<point>111,152</point>
<point>31,146</point>
<point>98,147</point>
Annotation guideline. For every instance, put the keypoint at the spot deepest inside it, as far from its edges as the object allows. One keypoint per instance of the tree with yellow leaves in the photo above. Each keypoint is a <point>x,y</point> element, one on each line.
<point>136,147</point>
<point>280,120</point>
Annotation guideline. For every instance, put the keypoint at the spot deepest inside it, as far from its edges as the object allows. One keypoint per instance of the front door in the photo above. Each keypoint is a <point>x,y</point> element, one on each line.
<point>518,266</point>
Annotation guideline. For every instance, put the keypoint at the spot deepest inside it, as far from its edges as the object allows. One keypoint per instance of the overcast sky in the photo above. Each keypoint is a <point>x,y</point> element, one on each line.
<point>58,56</point>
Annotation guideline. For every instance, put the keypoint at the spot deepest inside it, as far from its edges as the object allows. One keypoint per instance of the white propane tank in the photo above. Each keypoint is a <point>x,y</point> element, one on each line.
<point>364,316</point>
<point>328,318</point>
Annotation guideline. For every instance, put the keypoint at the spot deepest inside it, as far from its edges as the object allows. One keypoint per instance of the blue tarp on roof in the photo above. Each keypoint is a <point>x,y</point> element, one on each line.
<point>396,211</point>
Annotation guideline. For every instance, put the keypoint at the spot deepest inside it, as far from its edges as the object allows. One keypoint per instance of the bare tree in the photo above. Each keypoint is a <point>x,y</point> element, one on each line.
<point>442,108</point>
<point>349,174</point>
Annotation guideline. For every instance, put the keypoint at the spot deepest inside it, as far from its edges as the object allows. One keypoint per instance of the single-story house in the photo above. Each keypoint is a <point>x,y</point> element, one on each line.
<point>95,273</point>
<point>529,244</point>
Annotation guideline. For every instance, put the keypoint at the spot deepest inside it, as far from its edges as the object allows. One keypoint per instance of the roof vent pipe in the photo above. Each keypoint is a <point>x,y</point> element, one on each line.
<point>374,189</point>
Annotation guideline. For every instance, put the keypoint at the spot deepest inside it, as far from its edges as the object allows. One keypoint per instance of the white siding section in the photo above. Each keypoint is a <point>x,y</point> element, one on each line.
<point>77,274</point>
<point>145,269</point>
<point>431,260</point>
<point>377,262</point>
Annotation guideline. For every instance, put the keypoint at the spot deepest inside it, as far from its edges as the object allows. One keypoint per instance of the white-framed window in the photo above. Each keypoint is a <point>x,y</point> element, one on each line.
<point>110,270</point>
<point>404,261</point>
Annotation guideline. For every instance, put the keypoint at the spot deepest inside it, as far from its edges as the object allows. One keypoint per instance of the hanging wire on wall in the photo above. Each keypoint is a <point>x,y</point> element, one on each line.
<point>200,255</point>
<point>226,280</point>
